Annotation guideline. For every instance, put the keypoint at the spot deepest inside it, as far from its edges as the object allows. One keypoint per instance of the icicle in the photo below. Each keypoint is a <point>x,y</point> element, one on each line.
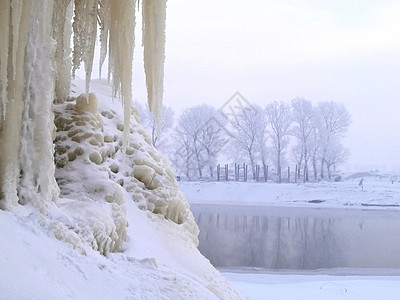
<point>154,15</point>
<point>104,20</point>
<point>90,39</point>
<point>16,10</point>
<point>121,44</point>
<point>37,184</point>
<point>4,34</point>
<point>62,31</point>
<point>85,29</point>
<point>11,125</point>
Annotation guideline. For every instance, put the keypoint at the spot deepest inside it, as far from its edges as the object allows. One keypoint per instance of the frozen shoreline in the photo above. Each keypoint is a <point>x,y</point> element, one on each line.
<point>377,195</point>
<point>314,286</point>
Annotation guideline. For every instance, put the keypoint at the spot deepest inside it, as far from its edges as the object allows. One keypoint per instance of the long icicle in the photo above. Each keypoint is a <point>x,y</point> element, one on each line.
<point>4,33</point>
<point>154,16</point>
<point>104,22</point>
<point>121,45</point>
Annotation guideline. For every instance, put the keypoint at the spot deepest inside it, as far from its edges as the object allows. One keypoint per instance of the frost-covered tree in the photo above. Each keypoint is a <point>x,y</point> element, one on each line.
<point>201,131</point>
<point>304,123</point>
<point>182,158</point>
<point>335,155</point>
<point>279,118</point>
<point>333,122</point>
<point>148,121</point>
<point>247,132</point>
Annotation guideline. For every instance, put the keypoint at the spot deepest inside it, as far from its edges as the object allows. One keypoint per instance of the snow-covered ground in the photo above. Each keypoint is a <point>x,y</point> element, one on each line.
<point>128,209</point>
<point>315,286</point>
<point>154,265</point>
<point>41,254</point>
<point>378,192</point>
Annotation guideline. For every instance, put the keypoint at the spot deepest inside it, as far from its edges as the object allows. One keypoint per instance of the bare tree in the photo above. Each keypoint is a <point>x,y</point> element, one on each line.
<point>183,156</point>
<point>246,132</point>
<point>202,129</point>
<point>335,155</point>
<point>148,122</point>
<point>334,121</point>
<point>279,119</point>
<point>213,136</point>
<point>304,124</point>
<point>315,149</point>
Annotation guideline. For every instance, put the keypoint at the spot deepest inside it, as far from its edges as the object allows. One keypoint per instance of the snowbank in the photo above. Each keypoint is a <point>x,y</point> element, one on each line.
<point>126,207</point>
<point>378,193</point>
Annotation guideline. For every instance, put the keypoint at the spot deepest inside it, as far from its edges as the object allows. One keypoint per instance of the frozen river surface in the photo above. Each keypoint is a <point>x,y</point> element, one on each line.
<point>298,237</point>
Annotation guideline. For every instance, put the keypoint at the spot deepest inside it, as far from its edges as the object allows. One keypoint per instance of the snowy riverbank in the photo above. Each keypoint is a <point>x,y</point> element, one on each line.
<point>348,283</point>
<point>378,193</point>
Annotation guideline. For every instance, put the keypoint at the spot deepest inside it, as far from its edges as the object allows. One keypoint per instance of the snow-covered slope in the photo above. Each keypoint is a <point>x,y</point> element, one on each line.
<point>34,265</point>
<point>128,208</point>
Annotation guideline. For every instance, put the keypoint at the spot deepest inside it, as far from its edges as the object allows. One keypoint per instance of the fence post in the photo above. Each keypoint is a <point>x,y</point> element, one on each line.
<point>226,172</point>
<point>235,172</point>
<point>218,167</point>
<point>288,174</point>
<point>257,172</point>
<point>295,175</point>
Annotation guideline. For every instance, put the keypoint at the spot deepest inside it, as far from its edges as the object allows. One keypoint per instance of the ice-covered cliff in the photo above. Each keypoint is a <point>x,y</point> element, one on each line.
<point>78,167</point>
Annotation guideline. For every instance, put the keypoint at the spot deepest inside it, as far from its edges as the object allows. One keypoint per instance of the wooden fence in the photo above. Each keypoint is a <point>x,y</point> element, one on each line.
<point>240,172</point>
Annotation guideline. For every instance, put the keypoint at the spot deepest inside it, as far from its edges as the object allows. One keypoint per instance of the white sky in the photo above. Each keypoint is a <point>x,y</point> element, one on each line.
<point>341,50</point>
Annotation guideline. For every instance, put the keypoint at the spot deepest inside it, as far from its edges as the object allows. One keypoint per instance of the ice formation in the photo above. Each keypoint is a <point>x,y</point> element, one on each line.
<point>61,32</point>
<point>154,47</point>
<point>61,151</point>
<point>27,96</point>
<point>35,72</point>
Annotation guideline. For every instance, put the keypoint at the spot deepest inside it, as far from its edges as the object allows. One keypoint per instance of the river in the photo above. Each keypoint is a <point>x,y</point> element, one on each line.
<point>298,237</point>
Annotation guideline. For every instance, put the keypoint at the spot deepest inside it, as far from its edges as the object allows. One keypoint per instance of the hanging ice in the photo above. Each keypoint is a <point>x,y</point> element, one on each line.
<point>35,72</point>
<point>121,44</point>
<point>61,32</point>
<point>85,29</point>
<point>4,33</point>
<point>154,16</point>
<point>13,105</point>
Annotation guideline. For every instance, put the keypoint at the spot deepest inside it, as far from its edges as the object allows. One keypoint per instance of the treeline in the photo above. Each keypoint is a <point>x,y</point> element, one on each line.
<point>280,134</point>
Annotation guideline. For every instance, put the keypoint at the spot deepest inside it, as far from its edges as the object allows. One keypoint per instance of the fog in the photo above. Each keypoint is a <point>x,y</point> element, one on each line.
<point>298,238</point>
<point>342,51</point>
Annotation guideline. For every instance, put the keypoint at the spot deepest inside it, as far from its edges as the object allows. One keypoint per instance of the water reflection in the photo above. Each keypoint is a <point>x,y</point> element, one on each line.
<point>298,238</point>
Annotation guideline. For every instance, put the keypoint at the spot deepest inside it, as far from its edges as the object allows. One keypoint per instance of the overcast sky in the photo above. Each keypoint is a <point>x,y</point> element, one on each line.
<point>335,50</point>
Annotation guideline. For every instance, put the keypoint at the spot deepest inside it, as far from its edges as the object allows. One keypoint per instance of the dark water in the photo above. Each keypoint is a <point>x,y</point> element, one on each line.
<point>298,238</point>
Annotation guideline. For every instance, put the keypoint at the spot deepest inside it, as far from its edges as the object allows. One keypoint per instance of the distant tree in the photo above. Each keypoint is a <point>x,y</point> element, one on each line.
<point>334,121</point>
<point>335,155</point>
<point>279,118</point>
<point>303,127</point>
<point>212,136</point>
<point>148,122</point>
<point>182,158</point>
<point>246,132</point>
<point>315,149</point>
<point>202,129</point>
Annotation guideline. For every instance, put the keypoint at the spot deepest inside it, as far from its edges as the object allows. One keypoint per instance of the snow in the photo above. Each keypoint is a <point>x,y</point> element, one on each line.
<point>147,234</point>
<point>104,230</point>
<point>282,286</point>
<point>379,193</point>
<point>348,283</point>
<point>36,266</point>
